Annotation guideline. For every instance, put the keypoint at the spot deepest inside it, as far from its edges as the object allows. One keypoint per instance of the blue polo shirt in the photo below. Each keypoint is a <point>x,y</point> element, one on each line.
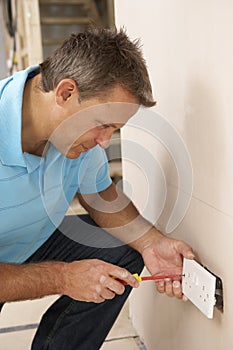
<point>35,192</point>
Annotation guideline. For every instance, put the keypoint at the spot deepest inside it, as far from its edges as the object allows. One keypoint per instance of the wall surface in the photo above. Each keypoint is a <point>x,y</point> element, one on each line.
<point>188,46</point>
<point>3,68</point>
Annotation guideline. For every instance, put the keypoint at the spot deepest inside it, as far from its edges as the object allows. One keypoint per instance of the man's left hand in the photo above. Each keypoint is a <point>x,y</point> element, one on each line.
<point>164,256</point>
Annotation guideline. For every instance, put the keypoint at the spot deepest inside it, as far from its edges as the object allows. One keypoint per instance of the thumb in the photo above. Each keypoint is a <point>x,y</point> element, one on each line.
<point>185,250</point>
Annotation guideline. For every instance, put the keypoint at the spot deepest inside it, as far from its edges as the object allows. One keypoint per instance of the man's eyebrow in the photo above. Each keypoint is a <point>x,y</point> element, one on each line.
<point>113,126</point>
<point>110,124</point>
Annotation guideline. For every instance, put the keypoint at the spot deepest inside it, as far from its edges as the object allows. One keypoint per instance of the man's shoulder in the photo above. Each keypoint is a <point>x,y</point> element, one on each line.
<point>17,76</point>
<point>4,83</point>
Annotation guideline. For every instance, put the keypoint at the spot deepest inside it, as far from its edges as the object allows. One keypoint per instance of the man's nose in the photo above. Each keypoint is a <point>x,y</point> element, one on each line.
<point>104,143</point>
<point>104,140</point>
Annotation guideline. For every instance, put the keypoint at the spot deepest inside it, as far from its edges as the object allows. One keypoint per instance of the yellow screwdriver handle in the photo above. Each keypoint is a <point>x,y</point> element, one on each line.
<point>138,278</point>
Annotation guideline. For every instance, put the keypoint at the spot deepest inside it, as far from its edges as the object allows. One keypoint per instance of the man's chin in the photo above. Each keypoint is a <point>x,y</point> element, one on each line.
<point>72,155</point>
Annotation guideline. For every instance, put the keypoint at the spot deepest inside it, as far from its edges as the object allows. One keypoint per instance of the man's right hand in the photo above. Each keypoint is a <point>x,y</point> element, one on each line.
<point>94,280</point>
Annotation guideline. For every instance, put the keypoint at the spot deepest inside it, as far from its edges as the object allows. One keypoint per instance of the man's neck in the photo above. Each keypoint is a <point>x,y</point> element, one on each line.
<point>34,130</point>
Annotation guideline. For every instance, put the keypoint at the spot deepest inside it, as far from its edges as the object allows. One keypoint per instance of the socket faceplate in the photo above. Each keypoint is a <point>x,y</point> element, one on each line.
<point>199,286</point>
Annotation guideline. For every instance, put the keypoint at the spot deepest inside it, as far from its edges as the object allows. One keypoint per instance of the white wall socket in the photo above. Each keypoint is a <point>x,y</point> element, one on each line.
<point>198,285</point>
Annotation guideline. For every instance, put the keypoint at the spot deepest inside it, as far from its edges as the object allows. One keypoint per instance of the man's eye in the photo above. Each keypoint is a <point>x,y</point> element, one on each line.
<point>105,126</point>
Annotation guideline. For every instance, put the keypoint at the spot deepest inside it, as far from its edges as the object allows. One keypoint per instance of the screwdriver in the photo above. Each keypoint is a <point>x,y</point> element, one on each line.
<point>153,278</point>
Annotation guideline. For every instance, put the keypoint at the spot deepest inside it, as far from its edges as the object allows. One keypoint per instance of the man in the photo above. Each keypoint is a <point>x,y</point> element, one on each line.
<point>56,119</point>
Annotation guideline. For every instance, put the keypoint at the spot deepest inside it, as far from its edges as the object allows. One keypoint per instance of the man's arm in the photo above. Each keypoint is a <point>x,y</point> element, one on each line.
<point>114,212</point>
<point>28,281</point>
<point>85,280</point>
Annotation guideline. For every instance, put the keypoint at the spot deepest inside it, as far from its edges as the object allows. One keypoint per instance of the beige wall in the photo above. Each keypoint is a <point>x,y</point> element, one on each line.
<point>3,44</point>
<point>188,45</point>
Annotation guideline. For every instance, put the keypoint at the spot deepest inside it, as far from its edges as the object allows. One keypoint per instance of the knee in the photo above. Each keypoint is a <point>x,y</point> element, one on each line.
<point>139,263</point>
<point>132,261</point>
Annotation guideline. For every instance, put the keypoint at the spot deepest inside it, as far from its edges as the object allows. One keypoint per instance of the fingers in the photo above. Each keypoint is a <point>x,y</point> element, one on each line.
<point>185,250</point>
<point>177,289</point>
<point>104,293</point>
<point>166,286</point>
<point>112,284</point>
<point>126,276</point>
<point>160,286</point>
<point>171,288</point>
<point>101,294</point>
<point>108,284</point>
<point>96,299</point>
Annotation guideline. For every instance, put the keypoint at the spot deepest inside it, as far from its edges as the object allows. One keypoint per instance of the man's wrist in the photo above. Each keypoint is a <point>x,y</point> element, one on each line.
<point>57,271</point>
<point>146,240</point>
<point>45,276</point>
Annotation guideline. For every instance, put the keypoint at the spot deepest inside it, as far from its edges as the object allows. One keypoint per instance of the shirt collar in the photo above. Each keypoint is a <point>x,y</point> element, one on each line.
<point>11,99</point>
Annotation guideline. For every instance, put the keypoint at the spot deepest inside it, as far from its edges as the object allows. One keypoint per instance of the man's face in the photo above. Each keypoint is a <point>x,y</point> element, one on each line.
<point>94,123</point>
<point>99,135</point>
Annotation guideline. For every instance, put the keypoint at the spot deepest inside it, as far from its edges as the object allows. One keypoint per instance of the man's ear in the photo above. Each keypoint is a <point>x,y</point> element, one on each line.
<point>66,90</point>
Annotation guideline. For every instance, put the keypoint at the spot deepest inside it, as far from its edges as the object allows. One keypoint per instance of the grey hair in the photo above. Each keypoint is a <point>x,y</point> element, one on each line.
<point>97,60</point>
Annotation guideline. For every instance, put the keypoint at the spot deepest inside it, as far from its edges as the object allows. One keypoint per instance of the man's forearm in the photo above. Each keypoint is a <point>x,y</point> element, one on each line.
<point>114,212</point>
<point>29,281</point>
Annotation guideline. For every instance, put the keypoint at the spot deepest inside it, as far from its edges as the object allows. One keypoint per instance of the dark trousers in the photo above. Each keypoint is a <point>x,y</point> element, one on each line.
<point>73,325</point>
